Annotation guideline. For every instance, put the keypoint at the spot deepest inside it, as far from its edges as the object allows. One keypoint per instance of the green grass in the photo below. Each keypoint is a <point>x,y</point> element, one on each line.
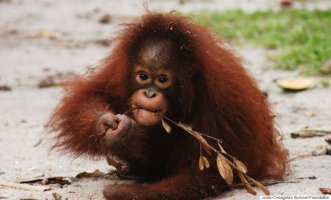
<point>302,37</point>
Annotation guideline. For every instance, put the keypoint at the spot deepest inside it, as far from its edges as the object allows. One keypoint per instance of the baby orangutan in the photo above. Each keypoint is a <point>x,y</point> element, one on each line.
<point>164,66</point>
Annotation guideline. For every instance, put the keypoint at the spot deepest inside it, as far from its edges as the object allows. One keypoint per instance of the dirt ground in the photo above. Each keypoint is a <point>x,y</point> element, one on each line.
<point>44,42</point>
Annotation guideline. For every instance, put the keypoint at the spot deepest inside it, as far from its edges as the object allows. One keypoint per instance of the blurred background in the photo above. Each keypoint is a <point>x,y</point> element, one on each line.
<point>284,44</point>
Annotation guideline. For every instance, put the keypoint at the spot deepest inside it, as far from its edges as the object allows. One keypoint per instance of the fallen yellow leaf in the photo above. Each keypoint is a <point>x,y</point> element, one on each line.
<point>295,84</point>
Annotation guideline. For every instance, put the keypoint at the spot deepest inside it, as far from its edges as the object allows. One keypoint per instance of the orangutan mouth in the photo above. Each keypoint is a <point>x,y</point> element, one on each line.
<point>147,116</point>
<point>153,111</point>
<point>144,110</point>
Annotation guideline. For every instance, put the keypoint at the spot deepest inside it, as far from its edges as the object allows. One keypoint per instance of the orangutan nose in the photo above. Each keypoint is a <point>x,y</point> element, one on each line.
<point>150,92</point>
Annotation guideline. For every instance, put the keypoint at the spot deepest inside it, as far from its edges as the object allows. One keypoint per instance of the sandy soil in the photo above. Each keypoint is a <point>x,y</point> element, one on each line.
<point>44,38</point>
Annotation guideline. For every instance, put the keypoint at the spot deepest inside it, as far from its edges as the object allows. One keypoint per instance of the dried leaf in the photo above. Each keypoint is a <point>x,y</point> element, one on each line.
<point>224,169</point>
<point>205,162</point>
<point>51,180</point>
<point>95,174</point>
<point>5,88</point>
<point>25,186</point>
<point>166,126</point>
<point>105,19</point>
<point>201,164</point>
<point>325,190</point>
<point>106,42</point>
<point>295,84</point>
<point>286,3</point>
<point>241,166</point>
<point>309,113</point>
<point>248,187</point>
<point>43,33</point>
<point>328,140</point>
<point>259,185</point>
<point>221,148</point>
<point>56,196</point>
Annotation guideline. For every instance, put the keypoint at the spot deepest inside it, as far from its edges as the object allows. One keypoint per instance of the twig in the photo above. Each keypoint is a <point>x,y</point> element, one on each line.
<point>310,133</point>
<point>25,186</point>
<point>313,154</point>
<point>223,163</point>
<point>211,147</point>
<point>265,183</point>
<point>132,109</point>
<point>211,137</point>
<point>301,156</point>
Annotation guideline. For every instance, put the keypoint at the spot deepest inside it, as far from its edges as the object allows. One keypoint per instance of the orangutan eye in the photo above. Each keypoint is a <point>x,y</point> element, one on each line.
<point>143,76</point>
<point>163,79</point>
